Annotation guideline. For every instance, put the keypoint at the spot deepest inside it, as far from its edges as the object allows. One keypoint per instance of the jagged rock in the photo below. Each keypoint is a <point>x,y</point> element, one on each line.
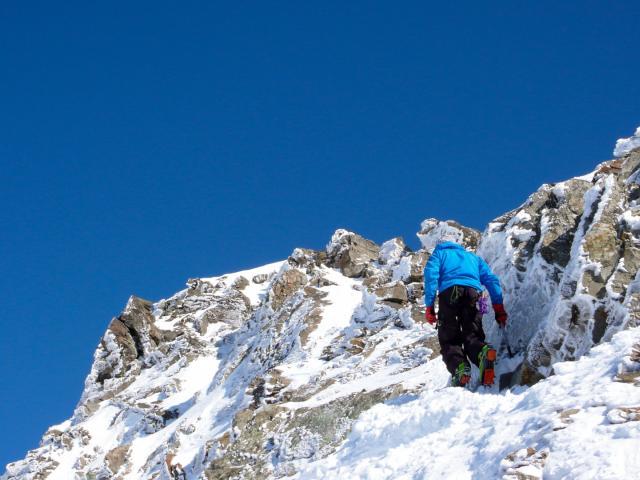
<point>290,435</point>
<point>240,283</point>
<point>415,292</point>
<point>233,309</point>
<point>351,253</point>
<point>306,258</point>
<point>318,280</point>
<point>565,207</point>
<point>199,287</point>
<point>117,457</point>
<point>623,415</point>
<point>566,257</point>
<point>392,250</point>
<point>394,293</point>
<point>260,278</point>
<point>376,278</point>
<point>432,229</point>
<point>133,335</point>
<point>288,283</point>
<point>418,313</point>
<point>525,464</point>
<point>418,262</point>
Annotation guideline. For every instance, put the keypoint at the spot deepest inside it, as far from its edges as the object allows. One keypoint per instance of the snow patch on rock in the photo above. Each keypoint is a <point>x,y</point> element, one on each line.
<point>625,145</point>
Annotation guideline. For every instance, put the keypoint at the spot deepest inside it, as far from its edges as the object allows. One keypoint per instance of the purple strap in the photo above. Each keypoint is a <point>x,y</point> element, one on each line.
<point>483,305</point>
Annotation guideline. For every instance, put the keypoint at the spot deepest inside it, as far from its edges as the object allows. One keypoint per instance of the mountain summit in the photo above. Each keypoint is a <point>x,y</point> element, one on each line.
<point>321,365</point>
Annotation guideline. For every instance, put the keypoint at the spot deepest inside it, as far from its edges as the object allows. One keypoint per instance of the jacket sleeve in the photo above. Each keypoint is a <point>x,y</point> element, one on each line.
<point>431,277</point>
<point>489,280</point>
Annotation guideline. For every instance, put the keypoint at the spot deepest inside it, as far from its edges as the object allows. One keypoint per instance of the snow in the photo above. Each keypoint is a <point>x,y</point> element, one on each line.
<point>632,219</point>
<point>438,231</point>
<point>254,291</point>
<point>342,300</point>
<point>625,145</point>
<point>391,251</point>
<point>455,433</point>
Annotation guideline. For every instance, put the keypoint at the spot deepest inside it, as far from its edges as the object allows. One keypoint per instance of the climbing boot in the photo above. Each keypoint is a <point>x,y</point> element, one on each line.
<point>486,361</point>
<point>462,376</point>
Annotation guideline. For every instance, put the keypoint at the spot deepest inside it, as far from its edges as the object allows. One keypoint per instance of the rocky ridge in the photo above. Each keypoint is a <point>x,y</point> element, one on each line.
<point>257,373</point>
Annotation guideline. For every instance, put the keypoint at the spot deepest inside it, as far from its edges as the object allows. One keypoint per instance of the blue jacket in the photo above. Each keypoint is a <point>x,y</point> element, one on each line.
<point>450,264</point>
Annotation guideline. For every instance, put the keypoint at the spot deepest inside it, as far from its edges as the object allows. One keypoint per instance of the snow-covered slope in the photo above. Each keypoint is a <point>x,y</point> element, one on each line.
<point>582,423</point>
<point>320,365</point>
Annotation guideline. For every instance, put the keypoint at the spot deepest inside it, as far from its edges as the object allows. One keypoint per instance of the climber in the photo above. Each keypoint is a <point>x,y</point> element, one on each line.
<point>458,276</point>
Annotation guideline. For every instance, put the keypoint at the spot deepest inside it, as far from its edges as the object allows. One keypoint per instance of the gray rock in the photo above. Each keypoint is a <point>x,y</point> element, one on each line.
<point>240,283</point>
<point>260,278</point>
<point>234,309</point>
<point>289,435</point>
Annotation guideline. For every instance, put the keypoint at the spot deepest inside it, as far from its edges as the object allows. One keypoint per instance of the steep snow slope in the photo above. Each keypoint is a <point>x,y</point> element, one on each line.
<point>581,423</point>
<point>262,373</point>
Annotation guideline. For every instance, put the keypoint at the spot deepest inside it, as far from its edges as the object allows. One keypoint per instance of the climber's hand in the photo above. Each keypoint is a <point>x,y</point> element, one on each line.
<point>501,315</point>
<point>430,315</point>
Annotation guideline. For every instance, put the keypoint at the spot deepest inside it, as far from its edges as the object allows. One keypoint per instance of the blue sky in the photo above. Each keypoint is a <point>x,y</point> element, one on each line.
<point>143,143</point>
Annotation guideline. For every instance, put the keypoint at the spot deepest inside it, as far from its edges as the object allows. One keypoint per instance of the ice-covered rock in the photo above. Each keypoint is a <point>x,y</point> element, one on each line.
<point>626,145</point>
<point>433,230</point>
<point>568,259</point>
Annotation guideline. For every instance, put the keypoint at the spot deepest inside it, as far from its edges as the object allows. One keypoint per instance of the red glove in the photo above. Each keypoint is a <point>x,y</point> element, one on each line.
<point>430,315</point>
<point>501,315</point>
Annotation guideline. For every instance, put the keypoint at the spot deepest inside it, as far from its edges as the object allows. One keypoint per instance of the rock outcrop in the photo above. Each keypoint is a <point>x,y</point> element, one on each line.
<point>351,253</point>
<point>569,258</point>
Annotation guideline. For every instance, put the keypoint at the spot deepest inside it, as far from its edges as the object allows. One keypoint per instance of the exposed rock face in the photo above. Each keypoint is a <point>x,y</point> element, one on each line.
<point>568,258</point>
<point>303,433</point>
<point>285,286</point>
<point>351,253</point>
<point>134,330</point>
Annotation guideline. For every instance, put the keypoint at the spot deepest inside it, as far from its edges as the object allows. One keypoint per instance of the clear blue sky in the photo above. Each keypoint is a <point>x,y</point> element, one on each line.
<point>143,143</point>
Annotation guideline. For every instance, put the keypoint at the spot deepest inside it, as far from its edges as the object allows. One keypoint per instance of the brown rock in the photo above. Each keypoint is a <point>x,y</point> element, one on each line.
<point>351,253</point>
<point>394,292</point>
<point>285,286</point>
<point>117,457</point>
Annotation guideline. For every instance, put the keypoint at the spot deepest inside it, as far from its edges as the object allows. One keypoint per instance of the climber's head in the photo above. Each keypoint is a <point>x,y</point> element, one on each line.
<point>453,236</point>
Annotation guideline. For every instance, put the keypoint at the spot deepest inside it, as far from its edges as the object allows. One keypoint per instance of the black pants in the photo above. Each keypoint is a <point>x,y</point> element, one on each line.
<point>459,326</point>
